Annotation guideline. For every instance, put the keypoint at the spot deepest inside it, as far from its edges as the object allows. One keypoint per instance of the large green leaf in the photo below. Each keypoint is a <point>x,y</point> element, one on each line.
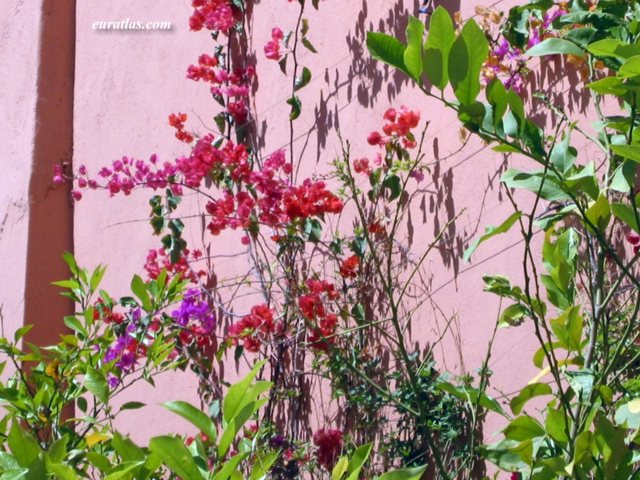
<point>358,459</point>
<point>630,68</point>
<point>612,47</point>
<point>554,46</point>
<point>236,397</point>
<point>492,232</point>
<point>413,52</point>
<point>387,49</point>
<point>466,58</point>
<point>527,393</point>
<point>523,428</point>
<point>632,152</point>
<point>175,456</point>
<point>23,446</point>
<point>195,416</point>
<point>437,47</point>
<point>626,214</point>
<point>96,383</point>
<point>404,474</point>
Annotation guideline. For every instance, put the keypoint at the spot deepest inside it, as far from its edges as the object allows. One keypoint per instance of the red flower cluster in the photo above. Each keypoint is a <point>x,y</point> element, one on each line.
<point>329,446</point>
<point>349,267</point>
<point>272,48</point>
<point>176,120</point>
<point>106,314</point>
<point>212,15</point>
<point>254,328</point>
<point>275,203</point>
<point>312,306</point>
<point>399,125</point>
<point>158,259</point>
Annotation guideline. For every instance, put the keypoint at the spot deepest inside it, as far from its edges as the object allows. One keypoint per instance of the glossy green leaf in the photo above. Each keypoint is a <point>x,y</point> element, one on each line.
<point>23,446</point>
<point>632,152</point>
<point>438,46</point>
<point>497,97</point>
<point>296,107</point>
<point>466,58</point>
<point>404,474</point>
<point>599,213</point>
<point>358,459</point>
<point>608,86</point>
<point>492,232</point>
<point>96,383</point>
<point>236,396</point>
<point>340,468</point>
<point>527,393</point>
<point>626,214</point>
<point>612,47</point>
<point>568,329</point>
<point>630,68</point>
<point>139,289</point>
<point>413,52</point>
<point>554,46</point>
<point>176,456</point>
<point>122,470</point>
<point>194,415</point>
<point>523,428</point>
<point>303,79</point>
<point>513,315</point>
<point>387,49</point>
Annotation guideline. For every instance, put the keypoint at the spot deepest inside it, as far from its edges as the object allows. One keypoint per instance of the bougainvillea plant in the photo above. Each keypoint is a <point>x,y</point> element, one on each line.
<point>334,296</point>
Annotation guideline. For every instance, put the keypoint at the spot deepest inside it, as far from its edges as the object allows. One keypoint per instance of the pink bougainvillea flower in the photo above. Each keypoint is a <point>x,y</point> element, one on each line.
<point>272,48</point>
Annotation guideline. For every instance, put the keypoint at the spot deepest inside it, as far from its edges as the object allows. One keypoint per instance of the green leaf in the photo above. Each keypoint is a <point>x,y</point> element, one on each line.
<point>229,467</point>
<point>296,107</point>
<point>581,382</point>
<point>21,332</point>
<point>623,178</point>
<point>556,425</point>
<point>358,459</point>
<point>387,49</point>
<point>23,446</point>
<point>62,472</point>
<point>563,155</point>
<point>340,468</point>
<point>626,214</point>
<point>71,262</point>
<point>466,58</point>
<point>612,47</point>
<point>492,232</point>
<point>175,456</point>
<point>582,449</point>
<point>513,315</point>
<point>404,474</point>
<point>127,449</point>
<point>568,329</point>
<point>139,289</point>
<point>438,46</point>
<point>532,181</point>
<point>554,46</point>
<point>608,86</point>
<point>632,152</point>
<point>413,52</point>
<point>262,465</point>
<point>96,383</point>
<point>132,405</point>
<point>302,80</point>
<point>599,213</point>
<point>630,68</point>
<point>307,44</point>
<point>237,396</point>
<point>523,428</point>
<point>122,470</point>
<point>194,415</point>
<point>497,97</point>
<point>392,182</point>
<point>527,393</point>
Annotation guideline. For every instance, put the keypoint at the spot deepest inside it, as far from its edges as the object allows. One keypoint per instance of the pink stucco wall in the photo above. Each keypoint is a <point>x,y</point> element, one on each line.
<point>126,85</point>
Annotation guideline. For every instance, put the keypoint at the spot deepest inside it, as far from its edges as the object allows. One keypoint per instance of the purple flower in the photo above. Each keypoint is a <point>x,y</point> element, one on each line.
<point>194,310</point>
